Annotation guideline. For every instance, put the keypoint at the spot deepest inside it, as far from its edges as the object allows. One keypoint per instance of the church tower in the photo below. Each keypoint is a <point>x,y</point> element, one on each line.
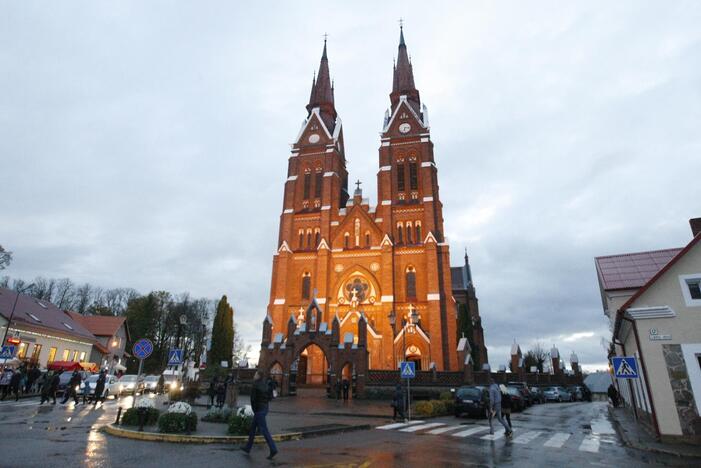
<point>378,276</point>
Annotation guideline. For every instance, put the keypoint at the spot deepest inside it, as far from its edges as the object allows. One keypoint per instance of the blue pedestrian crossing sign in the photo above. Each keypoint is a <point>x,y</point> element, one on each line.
<point>7,352</point>
<point>175,357</point>
<point>407,369</point>
<point>625,367</point>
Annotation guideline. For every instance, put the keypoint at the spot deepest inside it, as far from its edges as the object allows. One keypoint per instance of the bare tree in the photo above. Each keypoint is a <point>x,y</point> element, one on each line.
<point>5,258</point>
<point>64,294</point>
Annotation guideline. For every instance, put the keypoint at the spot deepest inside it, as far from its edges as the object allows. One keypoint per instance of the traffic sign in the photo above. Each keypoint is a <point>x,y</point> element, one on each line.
<point>625,367</point>
<point>7,352</point>
<point>407,369</point>
<point>143,348</point>
<point>175,357</point>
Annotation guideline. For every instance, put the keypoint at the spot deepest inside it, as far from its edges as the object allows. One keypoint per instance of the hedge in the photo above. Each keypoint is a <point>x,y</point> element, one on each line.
<point>131,417</point>
<point>434,408</point>
<point>177,422</point>
<point>240,425</point>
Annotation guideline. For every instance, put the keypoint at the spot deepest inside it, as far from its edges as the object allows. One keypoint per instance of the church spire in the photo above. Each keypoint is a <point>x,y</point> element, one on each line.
<point>322,93</point>
<point>403,82</point>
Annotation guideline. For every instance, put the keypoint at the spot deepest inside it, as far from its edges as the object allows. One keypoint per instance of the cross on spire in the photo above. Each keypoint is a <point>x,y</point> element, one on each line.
<point>326,36</point>
<point>358,183</point>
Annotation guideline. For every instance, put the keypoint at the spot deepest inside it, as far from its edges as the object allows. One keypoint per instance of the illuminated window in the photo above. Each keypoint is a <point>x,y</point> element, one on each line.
<point>36,352</point>
<point>52,354</point>
<point>22,352</point>
<point>82,356</point>
<point>66,354</point>
<point>75,356</point>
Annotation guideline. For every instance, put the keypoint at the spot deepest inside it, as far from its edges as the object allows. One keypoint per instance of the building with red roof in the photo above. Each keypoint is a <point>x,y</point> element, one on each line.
<point>111,334</point>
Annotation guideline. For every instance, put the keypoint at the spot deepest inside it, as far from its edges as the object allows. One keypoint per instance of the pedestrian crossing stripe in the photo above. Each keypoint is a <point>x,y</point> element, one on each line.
<point>527,437</point>
<point>473,430</point>
<point>498,435</point>
<point>421,427</point>
<point>389,427</point>
<point>589,444</point>
<point>558,440</point>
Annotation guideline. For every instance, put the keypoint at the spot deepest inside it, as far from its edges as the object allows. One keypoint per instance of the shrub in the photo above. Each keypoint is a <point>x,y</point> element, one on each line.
<point>215,414</point>
<point>177,422</point>
<point>131,417</point>
<point>180,407</point>
<point>423,408</point>
<point>449,406</point>
<point>434,408</point>
<point>446,396</point>
<point>240,423</point>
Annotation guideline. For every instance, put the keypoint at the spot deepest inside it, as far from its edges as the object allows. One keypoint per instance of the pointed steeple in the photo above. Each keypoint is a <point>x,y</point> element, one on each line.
<point>321,95</point>
<point>403,83</point>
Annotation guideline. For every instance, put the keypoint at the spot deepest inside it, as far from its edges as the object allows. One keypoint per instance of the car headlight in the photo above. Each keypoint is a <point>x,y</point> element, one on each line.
<point>77,388</point>
<point>131,385</point>
<point>173,384</point>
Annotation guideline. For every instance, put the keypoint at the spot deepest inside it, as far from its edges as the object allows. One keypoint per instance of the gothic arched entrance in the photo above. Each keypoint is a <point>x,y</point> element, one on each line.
<point>312,367</point>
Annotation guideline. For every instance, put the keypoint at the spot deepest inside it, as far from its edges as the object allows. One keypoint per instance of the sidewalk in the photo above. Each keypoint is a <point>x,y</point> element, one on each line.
<point>635,436</point>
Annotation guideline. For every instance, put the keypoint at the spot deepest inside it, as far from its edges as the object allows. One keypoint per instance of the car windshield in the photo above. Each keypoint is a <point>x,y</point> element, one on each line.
<point>469,393</point>
<point>65,377</point>
<point>128,378</point>
<point>551,389</point>
<point>92,378</point>
<point>513,391</point>
<point>151,378</point>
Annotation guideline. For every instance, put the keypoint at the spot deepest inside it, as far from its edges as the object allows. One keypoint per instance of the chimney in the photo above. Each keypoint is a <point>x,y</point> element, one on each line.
<point>695,226</point>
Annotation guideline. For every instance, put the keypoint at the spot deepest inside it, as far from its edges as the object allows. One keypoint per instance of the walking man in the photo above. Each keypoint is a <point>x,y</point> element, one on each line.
<point>99,389</point>
<point>346,387</point>
<point>495,408</point>
<point>260,397</point>
<point>398,403</point>
<point>71,388</point>
<point>50,388</point>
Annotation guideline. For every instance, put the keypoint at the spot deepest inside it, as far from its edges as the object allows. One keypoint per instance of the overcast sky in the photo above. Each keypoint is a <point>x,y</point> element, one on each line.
<point>145,144</point>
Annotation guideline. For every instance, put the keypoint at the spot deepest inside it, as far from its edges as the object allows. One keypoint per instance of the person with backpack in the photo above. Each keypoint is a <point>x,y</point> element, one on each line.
<point>506,404</point>
<point>261,393</point>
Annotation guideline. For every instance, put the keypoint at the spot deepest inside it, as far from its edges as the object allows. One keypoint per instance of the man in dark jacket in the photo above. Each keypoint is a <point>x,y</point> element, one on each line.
<point>71,388</point>
<point>50,388</point>
<point>99,388</point>
<point>260,396</point>
<point>14,384</point>
<point>346,387</point>
<point>398,402</point>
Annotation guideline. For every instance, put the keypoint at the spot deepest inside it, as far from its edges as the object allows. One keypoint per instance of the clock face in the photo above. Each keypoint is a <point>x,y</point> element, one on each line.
<point>404,128</point>
<point>314,138</point>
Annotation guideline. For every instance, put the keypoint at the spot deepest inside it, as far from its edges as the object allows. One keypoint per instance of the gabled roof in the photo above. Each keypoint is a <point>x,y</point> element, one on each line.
<point>48,316</point>
<point>99,325</point>
<point>631,270</point>
<point>651,281</point>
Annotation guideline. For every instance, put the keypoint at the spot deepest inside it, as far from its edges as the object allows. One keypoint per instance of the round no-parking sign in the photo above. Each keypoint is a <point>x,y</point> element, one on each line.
<point>143,348</point>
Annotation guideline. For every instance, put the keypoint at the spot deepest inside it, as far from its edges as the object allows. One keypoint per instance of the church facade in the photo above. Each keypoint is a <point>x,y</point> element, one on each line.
<point>385,266</point>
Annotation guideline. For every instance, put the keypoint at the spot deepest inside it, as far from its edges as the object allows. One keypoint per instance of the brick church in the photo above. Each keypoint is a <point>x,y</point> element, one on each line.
<point>385,265</point>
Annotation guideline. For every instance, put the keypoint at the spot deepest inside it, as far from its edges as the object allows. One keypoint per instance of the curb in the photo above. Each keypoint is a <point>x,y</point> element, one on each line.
<point>629,443</point>
<point>198,439</point>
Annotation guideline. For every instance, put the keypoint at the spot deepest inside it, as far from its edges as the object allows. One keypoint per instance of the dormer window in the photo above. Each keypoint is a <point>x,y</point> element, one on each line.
<point>42,305</point>
<point>67,326</point>
<point>34,317</point>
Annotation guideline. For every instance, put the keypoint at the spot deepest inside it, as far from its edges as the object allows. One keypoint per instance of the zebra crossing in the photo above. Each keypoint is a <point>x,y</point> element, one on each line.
<point>554,440</point>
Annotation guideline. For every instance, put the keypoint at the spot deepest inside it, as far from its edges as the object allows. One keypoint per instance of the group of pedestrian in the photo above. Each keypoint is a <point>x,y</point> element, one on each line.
<point>342,388</point>
<point>217,390</point>
<point>11,382</point>
<point>499,406</point>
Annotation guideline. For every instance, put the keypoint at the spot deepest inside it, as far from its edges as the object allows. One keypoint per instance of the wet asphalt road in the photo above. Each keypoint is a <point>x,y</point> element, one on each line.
<point>568,434</point>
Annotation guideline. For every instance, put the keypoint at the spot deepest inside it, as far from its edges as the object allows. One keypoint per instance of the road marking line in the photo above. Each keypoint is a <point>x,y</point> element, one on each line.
<point>498,435</point>
<point>558,440</point>
<point>590,444</point>
<point>421,427</point>
<point>441,430</point>
<point>388,427</point>
<point>472,430</point>
<point>527,437</point>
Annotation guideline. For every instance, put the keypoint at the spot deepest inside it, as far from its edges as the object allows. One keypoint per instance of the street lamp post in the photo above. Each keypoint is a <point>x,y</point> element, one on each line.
<point>392,321</point>
<point>12,312</point>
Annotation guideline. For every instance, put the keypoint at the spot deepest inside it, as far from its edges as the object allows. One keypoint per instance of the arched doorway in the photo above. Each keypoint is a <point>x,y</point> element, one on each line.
<point>413,354</point>
<point>312,367</point>
<point>347,381</point>
<point>276,374</point>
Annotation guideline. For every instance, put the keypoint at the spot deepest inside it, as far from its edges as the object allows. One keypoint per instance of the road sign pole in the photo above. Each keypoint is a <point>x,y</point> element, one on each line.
<point>408,387</point>
<point>136,387</point>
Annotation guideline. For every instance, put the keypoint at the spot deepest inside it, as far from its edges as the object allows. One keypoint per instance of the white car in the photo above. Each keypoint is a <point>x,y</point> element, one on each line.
<point>130,383</point>
<point>87,387</point>
<point>151,383</point>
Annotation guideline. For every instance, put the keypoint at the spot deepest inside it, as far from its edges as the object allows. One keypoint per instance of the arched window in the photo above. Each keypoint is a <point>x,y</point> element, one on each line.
<point>413,176</point>
<point>306,285</point>
<point>400,177</point>
<point>356,232</point>
<point>409,233</point>
<point>410,283</point>
<point>367,238</point>
<point>317,237</point>
<point>400,233</point>
<point>318,181</point>
<point>301,238</point>
<point>307,183</point>
<point>309,238</point>
<point>346,240</point>
<point>418,232</point>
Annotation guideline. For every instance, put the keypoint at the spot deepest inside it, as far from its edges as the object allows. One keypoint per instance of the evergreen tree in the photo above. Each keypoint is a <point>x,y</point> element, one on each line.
<point>222,334</point>
<point>466,329</point>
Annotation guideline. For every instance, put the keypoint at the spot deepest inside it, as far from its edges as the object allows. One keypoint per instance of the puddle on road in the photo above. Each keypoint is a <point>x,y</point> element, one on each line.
<point>602,427</point>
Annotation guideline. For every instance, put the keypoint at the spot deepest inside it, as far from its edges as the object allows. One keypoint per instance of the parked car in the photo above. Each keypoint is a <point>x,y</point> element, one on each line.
<point>525,391</point>
<point>558,394</point>
<point>537,393</point>
<point>87,388</point>
<point>151,383</point>
<point>576,393</point>
<point>63,380</point>
<point>472,401</point>
<point>130,384</point>
<point>518,402</point>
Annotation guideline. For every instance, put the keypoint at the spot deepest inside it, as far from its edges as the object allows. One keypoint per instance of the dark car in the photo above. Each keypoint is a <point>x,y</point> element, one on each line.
<point>518,402</point>
<point>471,400</point>
<point>576,392</point>
<point>528,398</point>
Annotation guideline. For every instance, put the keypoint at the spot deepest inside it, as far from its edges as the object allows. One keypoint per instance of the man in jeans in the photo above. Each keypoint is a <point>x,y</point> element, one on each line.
<point>495,408</point>
<point>260,396</point>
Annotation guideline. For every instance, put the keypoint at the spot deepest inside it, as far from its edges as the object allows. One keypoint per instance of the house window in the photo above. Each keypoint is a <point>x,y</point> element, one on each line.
<point>408,233</point>
<point>346,240</point>
<point>66,354</point>
<point>367,239</point>
<point>306,285</point>
<point>75,356</point>
<point>309,238</point>
<point>413,176</point>
<point>694,288</point>
<point>82,356</point>
<point>307,184</point>
<point>34,317</point>
<point>418,232</point>
<point>52,354</point>
<point>22,352</point>
<point>411,283</point>
<point>400,177</point>
<point>36,352</point>
<point>317,237</point>
<point>691,289</point>
<point>400,233</point>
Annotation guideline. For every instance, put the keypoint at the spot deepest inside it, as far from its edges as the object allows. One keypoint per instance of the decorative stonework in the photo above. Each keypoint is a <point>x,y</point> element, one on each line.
<point>681,387</point>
